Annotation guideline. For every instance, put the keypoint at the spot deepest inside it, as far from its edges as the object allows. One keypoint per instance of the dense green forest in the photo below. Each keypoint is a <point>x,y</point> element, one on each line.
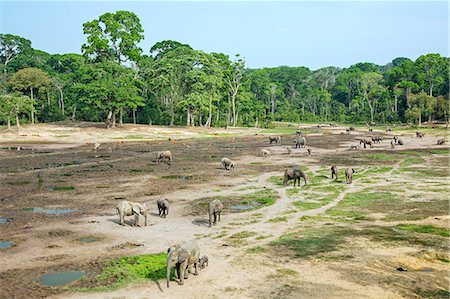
<point>173,84</point>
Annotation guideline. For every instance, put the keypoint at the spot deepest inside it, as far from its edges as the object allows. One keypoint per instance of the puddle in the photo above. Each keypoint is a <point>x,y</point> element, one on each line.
<point>60,278</point>
<point>3,220</point>
<point>426,270</point>
<point>90,239</point>
<point>6,244</point>
<point>53,211</point>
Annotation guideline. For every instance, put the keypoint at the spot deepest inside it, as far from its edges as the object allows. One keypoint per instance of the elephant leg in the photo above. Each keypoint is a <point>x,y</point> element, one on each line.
<point>175,272</point>
<point>219,214</point>
<point>196,265</point>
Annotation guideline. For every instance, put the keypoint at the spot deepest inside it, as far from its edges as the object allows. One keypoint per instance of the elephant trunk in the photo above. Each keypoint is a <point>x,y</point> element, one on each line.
<point>145,219</point>
<point>168,273</point>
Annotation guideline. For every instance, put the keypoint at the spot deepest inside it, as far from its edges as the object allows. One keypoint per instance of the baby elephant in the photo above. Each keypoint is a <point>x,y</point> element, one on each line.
<point>228,164</point>
<point>203,262</point>
<point>441,141</point>
<point>163,207</point>
<point>334,172</point>
<point>264,152</point>
<point>420,135</point>
<point>349,175</point>
<point>128,208</point>
<point>215,209</point>
<point>164,156</point>
<point>274,139</point>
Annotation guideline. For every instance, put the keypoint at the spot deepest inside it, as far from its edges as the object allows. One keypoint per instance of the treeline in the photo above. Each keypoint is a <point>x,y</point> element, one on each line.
<point>174,84</point>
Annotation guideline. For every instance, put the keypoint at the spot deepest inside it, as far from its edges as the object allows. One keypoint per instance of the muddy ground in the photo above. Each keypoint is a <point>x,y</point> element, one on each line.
<point>57,167</point>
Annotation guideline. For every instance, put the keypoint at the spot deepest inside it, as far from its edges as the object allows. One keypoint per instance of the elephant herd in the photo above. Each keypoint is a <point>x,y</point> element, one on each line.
<point>186,256</point>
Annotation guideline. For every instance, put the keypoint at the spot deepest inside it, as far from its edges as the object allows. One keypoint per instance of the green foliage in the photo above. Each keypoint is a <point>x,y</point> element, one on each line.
<point>124,270</point>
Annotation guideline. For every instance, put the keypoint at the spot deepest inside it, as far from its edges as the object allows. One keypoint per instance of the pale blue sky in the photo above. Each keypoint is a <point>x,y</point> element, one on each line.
<point>312,34</point>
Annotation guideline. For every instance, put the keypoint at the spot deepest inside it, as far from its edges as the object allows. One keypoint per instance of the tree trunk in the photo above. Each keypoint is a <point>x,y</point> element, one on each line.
<point>431,88</point>
<point>48,98</point>
<point>108,119</point>
<point>32,106</point>
<point>73,113</point>
<point>188,117</point>
<point>208,122</point>
<point>228,112</point>
<point>233,101</point>
<point>134,116</point>
<point>62,101</point>
<point>172,115</point>
<point>192,119</point>
<point>121,117</point>
<point>113,118</point>
<point>9,122</point>
<point>17,121</point>
<point>420,117</point>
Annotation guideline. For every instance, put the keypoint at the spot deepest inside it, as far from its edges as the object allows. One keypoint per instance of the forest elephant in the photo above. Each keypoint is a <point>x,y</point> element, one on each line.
<point>228,164</point>
<point>275,139</point>
<point>441,141</point>
<point>349,175</point>
<point>400,142</point>
<point>128,208</point>
<point>163,207</point>
<point>182,257</point>
<point>164,156</point>
<point>264,152</point>
<point>334,172</point>
<point>300,142</point>
<point>420,135</point>
<point>366,142</point>
<point>294,174</point>
<point>214,210</point>
<point>376,139</point>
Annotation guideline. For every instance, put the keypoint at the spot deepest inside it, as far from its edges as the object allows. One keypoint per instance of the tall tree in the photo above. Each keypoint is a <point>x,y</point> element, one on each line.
<point>30,79</point>
<point>233,78</point>
<point>11,46</point>
<point>432,70</point>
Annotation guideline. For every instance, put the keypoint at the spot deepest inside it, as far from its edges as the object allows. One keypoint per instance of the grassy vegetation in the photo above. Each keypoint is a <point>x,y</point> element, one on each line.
<point>134,137</point>
<point>124,270</point>
<point>425,229</point>
<point>19,183</point>
<point>304,206</point>
<point>277,219</point>
<point>243,235</point>
<point>63,188</point>
<point>411,161</point>
<point>256,249</point>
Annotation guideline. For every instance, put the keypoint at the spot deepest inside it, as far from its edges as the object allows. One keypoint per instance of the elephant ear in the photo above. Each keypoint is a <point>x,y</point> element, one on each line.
<point>183,255</point>
<point>170,249</point>
<point>136,209</point>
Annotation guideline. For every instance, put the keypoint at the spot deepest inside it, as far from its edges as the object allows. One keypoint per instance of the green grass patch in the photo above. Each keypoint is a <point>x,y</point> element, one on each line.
<point>124,270</point>
<point>411,161</point>
<point>292,191</point>
<point>63,188</point>
<point>243,235</point>
<point>424,229</point>
<point>276,180</point>
<point>304,206</point>
<point>311,243</point>
<point>376,156</point>
<point>277,219</point>
<point>259,163</point>
<point>256,249</point>
<point>286,272</point>
<point>19,183</point>
<point>130,137</point>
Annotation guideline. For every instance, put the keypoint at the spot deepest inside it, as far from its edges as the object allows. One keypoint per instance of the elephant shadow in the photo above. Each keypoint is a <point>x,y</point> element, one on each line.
<point>200,222</point>
<point>128,222</point>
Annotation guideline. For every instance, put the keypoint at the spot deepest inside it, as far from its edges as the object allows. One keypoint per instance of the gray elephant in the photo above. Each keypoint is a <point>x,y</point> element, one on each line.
<point>294,174</point>
<point>334,172</point>
<point>400,142</point>
<point>182,257</point>
<point>300,142</point>
<point>215,209</point>
<point>228,164</point>
<point>164,156</point>
<point>349,175</point>
<point>366,142</point>
<point>163,207</point>
<point>441,141</point>
<point>420,135</point>
<point>128,208</point>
